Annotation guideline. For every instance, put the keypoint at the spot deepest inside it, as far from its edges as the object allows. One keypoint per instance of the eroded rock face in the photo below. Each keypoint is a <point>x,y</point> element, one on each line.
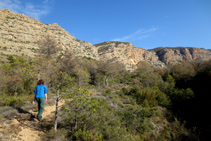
<point>19,35</point>
<point>158,57</point>
<point>127,54</point>
<point>174,55</point>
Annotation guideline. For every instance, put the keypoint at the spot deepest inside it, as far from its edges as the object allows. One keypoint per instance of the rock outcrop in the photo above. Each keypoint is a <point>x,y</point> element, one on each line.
<point>174,55</point>
<point>19,35</point>
<point>127,54</point>
<point>158,57</point>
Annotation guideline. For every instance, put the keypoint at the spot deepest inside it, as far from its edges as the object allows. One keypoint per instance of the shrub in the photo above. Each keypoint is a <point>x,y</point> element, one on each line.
<point>86,135</point>
<point>13,101</point>
<point>182,94</point>
<point>108,91</point>
<point>163,99</point>
<point>4,48</point>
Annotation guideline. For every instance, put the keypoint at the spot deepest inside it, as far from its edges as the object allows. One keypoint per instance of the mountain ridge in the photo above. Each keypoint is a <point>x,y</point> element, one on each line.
<point>19,35</point>
<point>20,32</point>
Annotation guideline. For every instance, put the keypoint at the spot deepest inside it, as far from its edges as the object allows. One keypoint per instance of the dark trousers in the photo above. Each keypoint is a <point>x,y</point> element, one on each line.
<point>41,105</point>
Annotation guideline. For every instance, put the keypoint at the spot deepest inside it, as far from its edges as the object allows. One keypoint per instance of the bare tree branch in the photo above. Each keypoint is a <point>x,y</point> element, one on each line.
<point>48,46</point>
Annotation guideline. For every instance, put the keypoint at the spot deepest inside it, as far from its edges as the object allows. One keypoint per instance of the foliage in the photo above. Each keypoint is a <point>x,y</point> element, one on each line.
<point>48,46</point>
<point>86,135</point>
<point>21,76</point>
<point>11,100</point>
<point>153,97</point>
<point>79,110</point>
<point>144,104</point>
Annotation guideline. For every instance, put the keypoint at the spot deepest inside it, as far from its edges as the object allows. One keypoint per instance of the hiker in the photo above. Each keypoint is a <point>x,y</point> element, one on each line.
<point>41,97</point>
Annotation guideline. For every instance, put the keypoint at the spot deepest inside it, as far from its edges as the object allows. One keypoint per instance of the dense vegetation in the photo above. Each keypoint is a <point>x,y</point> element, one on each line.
<point>110,103</point>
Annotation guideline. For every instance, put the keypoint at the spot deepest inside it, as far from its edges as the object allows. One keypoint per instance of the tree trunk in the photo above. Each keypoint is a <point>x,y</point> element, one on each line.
<point>56,113</point>
<point>106,80</point>
<point>79,81</point>
<point>38,76</point>
<point>76,122</point>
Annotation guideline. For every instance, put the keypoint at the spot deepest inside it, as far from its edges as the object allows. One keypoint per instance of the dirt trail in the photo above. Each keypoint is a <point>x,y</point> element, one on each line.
<point>30,129</point>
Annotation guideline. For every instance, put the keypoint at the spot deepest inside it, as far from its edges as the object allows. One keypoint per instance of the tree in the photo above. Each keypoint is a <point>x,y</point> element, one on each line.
<point>91,66</point>
<point>184,71</point>
<point>20,75</point>
<point>109,69</point>
<point>80,107</point>
<point>144,67</point>
<point>145,75</point>
<point>61,81</point>
<point>48,46</point>
<point>68,63</point>
<point>76,68</point>
<point>2,78</point>
<point>168,85</point>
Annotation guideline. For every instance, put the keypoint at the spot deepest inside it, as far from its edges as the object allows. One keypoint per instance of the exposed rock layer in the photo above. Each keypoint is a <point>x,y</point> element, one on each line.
<point>127,54</point>
<point>19,35</point>
<point>173,55</point>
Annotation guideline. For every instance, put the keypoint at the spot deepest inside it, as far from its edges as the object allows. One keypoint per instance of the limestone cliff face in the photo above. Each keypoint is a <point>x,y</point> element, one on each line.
<point>127,54</point>
<point>158,57</point>
<point>19,35</point>
<point>174,55</point>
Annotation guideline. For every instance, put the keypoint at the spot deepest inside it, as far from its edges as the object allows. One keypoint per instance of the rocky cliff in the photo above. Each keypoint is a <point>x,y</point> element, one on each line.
<point>173,55</point>
<point>127,54</point>
<point>158,57</point>
<point>19,35</point>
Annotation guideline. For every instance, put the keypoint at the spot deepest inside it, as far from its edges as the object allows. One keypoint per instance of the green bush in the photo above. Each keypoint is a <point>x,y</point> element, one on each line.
<point>163,99</point>
<point>136,93</point>
<point>182,94</point>
<point>4,48</point>
<point>108,91</point>
<point>124,91</point>
<point>86,135</point>
<point>13,101</point>
<point>11,59</point>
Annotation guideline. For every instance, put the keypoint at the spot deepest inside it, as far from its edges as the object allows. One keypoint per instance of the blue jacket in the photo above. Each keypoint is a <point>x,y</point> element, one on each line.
<point>40,91</point>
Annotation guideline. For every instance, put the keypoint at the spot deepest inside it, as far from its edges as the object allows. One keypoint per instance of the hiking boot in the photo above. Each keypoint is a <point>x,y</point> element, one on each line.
<point>39,119</point>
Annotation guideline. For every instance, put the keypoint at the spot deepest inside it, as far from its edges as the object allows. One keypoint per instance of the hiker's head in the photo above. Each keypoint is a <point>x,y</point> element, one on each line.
<point>40,82</point>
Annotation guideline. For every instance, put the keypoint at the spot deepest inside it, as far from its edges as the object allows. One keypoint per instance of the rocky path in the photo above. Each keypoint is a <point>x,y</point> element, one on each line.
<point>31,129</point>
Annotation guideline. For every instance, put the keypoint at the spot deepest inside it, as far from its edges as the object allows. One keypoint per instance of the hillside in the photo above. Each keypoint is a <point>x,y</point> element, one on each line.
<point>19,35</point>
<point>98,98</point>
<point>173,55</point>
<point>127,53</point>
<point>158,57</point>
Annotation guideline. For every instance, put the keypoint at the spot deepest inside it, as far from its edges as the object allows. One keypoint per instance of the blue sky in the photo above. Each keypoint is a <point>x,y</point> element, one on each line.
<point>144,23</point>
